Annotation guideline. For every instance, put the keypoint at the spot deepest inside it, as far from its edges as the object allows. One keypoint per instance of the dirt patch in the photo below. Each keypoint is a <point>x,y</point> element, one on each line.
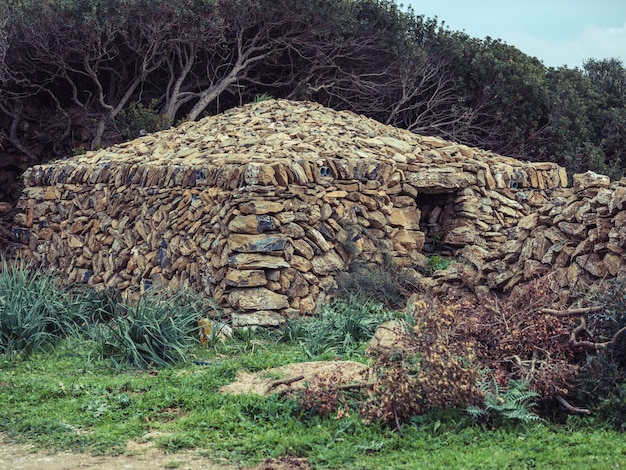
<point>140,455</point>
<point>294,376</point>
<point>284,463</point>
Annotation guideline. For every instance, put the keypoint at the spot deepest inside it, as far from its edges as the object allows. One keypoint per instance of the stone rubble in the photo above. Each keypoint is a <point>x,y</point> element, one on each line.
<point>261,206</point>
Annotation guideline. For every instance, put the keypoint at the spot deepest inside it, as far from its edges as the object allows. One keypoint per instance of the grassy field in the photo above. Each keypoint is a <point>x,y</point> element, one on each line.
<point>89,373</point>
<point>67,399</point>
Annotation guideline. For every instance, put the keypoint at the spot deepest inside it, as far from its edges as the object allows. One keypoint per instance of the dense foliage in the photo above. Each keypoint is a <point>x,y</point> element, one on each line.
<point>84,74</point>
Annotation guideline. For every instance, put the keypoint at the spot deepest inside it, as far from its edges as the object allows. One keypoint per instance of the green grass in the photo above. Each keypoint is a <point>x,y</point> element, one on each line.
<point>68,398</point>
<point>64,384</point>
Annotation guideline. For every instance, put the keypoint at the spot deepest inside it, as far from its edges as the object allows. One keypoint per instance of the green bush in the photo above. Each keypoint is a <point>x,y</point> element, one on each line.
<point>340,327</point>
<point>34,312</point>
<point>139,119</point>
<point>154,330</point>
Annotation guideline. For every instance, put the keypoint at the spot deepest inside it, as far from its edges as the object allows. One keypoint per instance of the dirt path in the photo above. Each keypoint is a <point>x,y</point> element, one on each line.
<point>14,456</point>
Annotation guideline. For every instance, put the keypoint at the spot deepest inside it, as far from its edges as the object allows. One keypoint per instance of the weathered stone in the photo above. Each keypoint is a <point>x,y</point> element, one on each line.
<point>257,319</point>
<point>329,262</point>
<point>407,218</point>
<point>256,243</point>
<point>298,286</point>
<point>256,261</point>
<point>618,199</point>
<point>260,207</point>
<point>440,180</point>
<point>529,222</point>
<point>387,337</point>
<point>590,179</point>
<point>300,263</point>
<point>572,229</point>
<point>303,248</point>
<point>534,269</point>
<point>613,263</point>
<point>465,235</point>
<point>377,219</point>
<point>257,298</point>
<point>593,264</point>
<point>252,224</point>
<point>410,239</point>
<point>318,239</point>
<point>246,278</point>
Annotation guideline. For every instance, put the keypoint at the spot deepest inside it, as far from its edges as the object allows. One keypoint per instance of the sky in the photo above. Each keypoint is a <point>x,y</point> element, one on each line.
<point>557,32</point>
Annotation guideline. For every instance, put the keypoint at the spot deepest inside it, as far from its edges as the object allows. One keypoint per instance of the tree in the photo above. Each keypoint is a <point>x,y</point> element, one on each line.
<point>608,79</point>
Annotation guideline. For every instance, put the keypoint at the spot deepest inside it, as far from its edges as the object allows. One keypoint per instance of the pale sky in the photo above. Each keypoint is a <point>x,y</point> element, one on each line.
<point>558,32</point>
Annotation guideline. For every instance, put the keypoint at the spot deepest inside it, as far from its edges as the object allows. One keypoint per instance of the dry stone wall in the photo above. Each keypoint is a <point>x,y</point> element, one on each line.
<point>261,206</point>
<point>575,238</point>
<point>579,233</point>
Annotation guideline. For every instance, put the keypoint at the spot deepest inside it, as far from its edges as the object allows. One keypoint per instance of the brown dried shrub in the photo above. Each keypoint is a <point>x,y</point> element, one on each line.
<point>516,340</point>
<point>428,370</point>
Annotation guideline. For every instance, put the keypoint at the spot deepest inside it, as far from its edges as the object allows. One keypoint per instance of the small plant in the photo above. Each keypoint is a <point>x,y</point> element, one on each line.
<point>388,283</point>
<point>101,306</point>
<point>513,403</point>
<point>139,119</point>
<point>34,312</point>
<point>341,327</point>
<point>262,97</point>
<point>79,150</point>
<point>155,330</point>
<point>436,263</point>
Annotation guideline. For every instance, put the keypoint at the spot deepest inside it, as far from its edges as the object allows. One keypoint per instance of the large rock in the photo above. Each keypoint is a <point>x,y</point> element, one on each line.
<point>257,298</point>
<point>256,261</point>
<point>387,338</point>
<point>327,263</point>
<point>253,224</point>
<point>246,278</point>
<point>441,180</point>
<point>256,243</point>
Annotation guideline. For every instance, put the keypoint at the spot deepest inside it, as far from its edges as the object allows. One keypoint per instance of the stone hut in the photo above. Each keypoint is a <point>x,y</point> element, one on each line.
<point>263,205</point>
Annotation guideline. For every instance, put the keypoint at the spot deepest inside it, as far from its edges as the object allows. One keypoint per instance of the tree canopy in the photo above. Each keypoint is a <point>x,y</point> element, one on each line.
<point>91,73</point>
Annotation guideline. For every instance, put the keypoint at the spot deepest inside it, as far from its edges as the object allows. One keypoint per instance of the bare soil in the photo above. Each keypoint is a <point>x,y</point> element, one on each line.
<point>17,456</point>
<point>298,375</point>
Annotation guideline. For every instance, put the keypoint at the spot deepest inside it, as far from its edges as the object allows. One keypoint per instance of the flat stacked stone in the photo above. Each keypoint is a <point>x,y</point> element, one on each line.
<point>263,205</point>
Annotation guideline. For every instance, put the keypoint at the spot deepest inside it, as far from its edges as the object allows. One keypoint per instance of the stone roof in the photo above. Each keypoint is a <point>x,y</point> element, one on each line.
<point>295,142</point>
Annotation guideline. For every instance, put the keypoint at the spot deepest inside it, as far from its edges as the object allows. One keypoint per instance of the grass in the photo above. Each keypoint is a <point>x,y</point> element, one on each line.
<point>69,391</point>
<point>67,398</point>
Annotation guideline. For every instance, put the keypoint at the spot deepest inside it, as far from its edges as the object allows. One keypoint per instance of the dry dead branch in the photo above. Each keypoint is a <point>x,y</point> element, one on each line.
<point>571,408</point>
<point>591,345</point>
<point>572,311</point>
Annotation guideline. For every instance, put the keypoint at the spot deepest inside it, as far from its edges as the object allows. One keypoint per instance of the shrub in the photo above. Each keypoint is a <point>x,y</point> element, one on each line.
<point>139,119</point>
<point>606,323</point>
<point>34,312</point>
<point>340,327</point>
<point>101,305</point>
<point>429,370</point>
<point>388,283</point>
<point>516,340</point>
<point>601,383</point>
<point>512,403</point>
<point>155,330</point>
